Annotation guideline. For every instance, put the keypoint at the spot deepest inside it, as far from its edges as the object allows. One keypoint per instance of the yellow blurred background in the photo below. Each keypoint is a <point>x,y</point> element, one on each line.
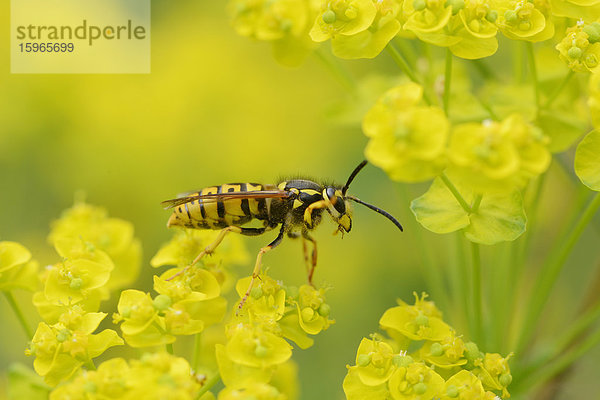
<point>216,108</point>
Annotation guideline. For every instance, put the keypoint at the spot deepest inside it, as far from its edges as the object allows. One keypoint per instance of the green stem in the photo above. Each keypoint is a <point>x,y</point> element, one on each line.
<point>476,291</point>
<point>550,272</point>
<point>341,74</point>
<point>533,71</point>
<point>558,90</point>
<point>401,62</point>
<point>455,193</point>
<point>433,275</point>
<point>550,370</point>
<point>463,279</point>
<point>208,385</point>
<point>447,80</point>
<point>197,348</point>
<point>89,364</point>
<point>169,347</point>
<point>20,316</point>
<point>567,339</point>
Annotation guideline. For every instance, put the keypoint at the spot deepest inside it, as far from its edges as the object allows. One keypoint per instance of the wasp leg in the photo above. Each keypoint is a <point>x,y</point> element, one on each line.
<point>311,271</point>
<point>256,270</point>
<point>211,247</point>
<point>309,210</point>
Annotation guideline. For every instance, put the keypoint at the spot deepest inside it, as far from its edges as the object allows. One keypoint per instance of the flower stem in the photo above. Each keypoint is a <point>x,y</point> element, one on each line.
<point>549,370</point>
<point>455,193</point>
<point>476,291</point>
<point>401,62</point>
<point>447,80</point>
<point>533,71</point>
<point>208,385</point>
<point>89,364</point>
<point>169,347</point>
<point>20,316</point>
<point>341,74</point>
<point>433,275</point>
<point>197,348</point>
<point>550,272</point>
<point>558,90</point>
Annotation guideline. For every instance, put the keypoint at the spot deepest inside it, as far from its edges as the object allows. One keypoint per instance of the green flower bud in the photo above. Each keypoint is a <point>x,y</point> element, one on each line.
<point>162,302</point>
<point>63,335</point>
<point>593,32</point>
<point>307,313</point>
<point>90,387</point>
<point>525,25</point>
<point>452,391</point>
<point>329,17</point>
<point>256,292</point>
<point>575,52</point>
<point>457,5</point>
<point>76,283</point>
<point>472,351</point>
<point>324,310</point>
<point>285,25</point>
<point>510,16</point>
<point>261,351</point>
<point>363,360</point>
<point>591,61</point>
<point>420,388</point>
<point>505,379</point>
<point>402,361</point>
<point>436,350</point>
<point>422,320</point>
<point>351,13</point>
<point>126,313</point>
<point>419,5</point>
<point>492,16</point>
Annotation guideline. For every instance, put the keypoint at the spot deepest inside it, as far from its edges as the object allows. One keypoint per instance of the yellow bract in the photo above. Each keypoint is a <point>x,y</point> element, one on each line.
<point>406,139</point>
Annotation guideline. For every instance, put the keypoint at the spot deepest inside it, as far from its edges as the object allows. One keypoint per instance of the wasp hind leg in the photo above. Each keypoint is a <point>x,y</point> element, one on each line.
<point>211,247</point>
<point>313,258</point>
<point>256,270</point>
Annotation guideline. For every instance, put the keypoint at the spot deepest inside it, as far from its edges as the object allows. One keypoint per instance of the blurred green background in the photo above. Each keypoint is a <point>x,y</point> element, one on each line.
<point>215,109</point>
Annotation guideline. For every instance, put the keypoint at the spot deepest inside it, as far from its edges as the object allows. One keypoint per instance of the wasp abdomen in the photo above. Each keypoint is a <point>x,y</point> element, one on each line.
<point>218,213</point>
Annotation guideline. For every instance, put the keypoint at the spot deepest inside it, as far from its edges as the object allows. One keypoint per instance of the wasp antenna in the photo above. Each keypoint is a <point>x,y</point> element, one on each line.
<point>377,209</point>
<point>353,175</point>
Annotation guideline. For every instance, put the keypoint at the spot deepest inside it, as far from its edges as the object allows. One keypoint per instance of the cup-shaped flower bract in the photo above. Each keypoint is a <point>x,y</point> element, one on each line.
<point>406,139</point>
<point>113,236</point>
<point>17,269</point>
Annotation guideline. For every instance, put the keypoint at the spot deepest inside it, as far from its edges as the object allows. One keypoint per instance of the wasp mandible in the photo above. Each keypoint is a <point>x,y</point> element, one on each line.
<point>295,205</point>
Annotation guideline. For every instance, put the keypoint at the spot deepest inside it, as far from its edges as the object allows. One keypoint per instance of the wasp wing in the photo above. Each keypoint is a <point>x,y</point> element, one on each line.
<point>213,197</point>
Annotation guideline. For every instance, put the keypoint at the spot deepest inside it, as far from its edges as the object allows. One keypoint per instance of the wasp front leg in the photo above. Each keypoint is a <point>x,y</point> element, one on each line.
<point>308,212</point>
<point>215,243</point>
<point>256,270</point>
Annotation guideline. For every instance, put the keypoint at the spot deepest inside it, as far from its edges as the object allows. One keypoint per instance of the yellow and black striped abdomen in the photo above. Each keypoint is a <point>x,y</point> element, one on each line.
<point>217,213</point>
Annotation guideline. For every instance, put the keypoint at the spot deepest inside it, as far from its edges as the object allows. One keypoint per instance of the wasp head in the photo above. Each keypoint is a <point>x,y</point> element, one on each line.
<point>339,208</point>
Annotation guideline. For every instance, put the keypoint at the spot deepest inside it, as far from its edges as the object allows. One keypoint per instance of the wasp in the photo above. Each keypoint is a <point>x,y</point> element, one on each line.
<point>296,206</point>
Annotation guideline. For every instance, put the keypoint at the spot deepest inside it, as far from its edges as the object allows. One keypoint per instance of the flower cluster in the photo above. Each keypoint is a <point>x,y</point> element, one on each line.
<point>580,48</point>
<point>256,345</point>
<point>154,376</point>
<point>284,23</point>
<point>415,142</point>
<point>91,246</point>
<point>363,28</point>
<point>423,358</point>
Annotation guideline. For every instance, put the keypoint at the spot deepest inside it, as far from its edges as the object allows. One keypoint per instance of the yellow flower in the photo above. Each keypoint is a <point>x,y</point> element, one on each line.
<point>415,381</point>
<point>111,235</point>
<point>421,321</point>
<point>342,17</point>
<point>580,48</point>
<point>406,139</point>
